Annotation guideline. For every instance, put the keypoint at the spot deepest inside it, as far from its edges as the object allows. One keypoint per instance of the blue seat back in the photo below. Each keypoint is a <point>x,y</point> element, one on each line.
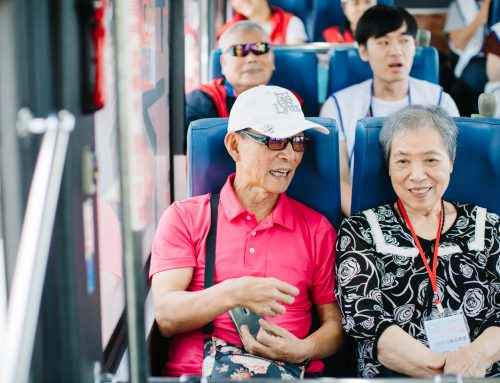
<point>327,13</point>
<point>316,181</point>
<point>346,67</point>
<point>300,8</point>
<point>494,13</point>
<point>476,172</point>
<point>296,69</point>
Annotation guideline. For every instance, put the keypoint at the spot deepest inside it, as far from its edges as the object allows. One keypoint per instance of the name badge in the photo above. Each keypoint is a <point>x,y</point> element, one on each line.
<point>447,332</point>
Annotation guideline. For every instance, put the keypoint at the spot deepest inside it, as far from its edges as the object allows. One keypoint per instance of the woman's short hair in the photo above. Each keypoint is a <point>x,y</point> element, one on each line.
<point>241,27</point>
<point>380,20</point>
<point>414,117</point>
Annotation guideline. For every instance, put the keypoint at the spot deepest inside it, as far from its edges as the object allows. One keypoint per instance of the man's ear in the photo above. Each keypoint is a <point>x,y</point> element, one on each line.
<point>231,142</point>
<point>363,52</point>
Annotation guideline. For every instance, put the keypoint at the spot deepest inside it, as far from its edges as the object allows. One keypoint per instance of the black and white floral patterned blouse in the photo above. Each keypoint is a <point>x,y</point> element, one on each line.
<point>381,279</point>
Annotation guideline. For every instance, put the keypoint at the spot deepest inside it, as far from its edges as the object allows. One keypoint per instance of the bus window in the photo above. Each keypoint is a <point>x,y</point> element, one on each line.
<point>192,44</point>
<point>149,149</point>
<point>109,199</point>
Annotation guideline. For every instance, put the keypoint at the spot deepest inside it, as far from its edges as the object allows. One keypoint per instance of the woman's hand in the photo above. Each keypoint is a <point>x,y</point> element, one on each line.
<point>276,343</point>
<point>477,357</point>
<point>399,352</point>
<point>466,363</point>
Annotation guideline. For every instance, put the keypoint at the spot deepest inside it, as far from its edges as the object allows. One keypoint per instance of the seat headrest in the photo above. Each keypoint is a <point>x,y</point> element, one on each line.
<point>316,181</point>
<point>476,172</point>
<point>346,67</point>
<point>289,63</point>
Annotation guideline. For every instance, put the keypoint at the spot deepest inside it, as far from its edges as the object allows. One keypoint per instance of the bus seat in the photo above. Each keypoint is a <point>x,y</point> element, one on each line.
<point>494,13</point>
<point>346,67</point>
<point>316,182</point>
<point>301,9</point>
<point>327,13</point>
<point>476,172</point>
<point>290,62</point>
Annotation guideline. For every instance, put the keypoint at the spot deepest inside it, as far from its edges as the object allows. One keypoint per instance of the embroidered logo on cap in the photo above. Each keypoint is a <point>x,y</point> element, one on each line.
<point>267,128</point>
<point>284,103</point>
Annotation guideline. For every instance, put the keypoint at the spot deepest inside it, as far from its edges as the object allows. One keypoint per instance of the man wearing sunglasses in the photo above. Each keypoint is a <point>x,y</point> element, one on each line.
<point>246,61</point>
<point>273,255</point>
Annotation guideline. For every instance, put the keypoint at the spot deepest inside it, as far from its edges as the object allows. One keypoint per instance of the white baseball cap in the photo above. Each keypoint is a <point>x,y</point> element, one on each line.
<point>270,110</point>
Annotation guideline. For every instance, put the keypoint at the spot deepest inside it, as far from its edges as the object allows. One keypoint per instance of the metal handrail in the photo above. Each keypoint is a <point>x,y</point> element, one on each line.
<point>32,257</point>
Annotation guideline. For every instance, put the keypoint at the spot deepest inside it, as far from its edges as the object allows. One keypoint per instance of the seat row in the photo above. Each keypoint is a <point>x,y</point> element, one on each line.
<point>298,68</point>
<point>475,178</point>
<point>317,15</point>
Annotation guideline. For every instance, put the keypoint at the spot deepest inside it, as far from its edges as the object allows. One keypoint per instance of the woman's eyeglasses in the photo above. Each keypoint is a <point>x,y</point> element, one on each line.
<point>299,143</point>
<point>242,50</point>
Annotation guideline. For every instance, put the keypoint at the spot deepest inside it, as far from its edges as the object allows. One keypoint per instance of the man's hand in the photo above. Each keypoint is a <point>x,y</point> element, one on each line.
<point>276,343</point>
<point>264,296</point>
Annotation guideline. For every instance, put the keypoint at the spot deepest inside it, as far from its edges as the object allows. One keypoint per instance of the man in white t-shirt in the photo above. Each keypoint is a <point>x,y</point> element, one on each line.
<point>386,40</point>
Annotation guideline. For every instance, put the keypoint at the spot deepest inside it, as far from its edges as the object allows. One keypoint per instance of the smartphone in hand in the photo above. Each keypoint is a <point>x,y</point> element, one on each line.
<point>243,316</point>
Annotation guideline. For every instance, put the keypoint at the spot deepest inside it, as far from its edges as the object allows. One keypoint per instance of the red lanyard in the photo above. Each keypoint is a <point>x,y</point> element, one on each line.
<point>432,273</point>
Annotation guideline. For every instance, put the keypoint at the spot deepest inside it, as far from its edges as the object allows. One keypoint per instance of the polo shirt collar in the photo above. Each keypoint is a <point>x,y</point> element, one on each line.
<point>282,214</point>
<point>230,203</point>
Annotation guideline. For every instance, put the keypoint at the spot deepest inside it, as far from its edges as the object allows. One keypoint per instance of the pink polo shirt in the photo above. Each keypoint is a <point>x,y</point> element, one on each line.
<point>294,244</point>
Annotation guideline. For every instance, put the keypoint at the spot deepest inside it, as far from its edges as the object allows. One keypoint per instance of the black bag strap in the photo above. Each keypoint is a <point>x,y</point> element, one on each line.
<point>208,329</point>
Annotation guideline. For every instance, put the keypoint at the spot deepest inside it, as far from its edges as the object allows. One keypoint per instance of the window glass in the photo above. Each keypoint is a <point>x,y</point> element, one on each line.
<point>149,186</point>
<point>192,43</point>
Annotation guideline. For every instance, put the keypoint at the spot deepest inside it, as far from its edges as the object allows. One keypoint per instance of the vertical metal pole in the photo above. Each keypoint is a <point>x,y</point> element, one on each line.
<point>126,37</point>
<point>31,264</point>
<point>176,104</point>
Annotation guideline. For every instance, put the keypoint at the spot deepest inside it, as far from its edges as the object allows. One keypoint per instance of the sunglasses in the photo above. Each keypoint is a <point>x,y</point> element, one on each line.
<point>299,143</point>
<point>242,50</point>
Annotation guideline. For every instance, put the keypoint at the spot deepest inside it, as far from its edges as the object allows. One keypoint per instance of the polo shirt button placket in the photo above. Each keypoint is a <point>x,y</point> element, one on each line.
<point>251,250</point>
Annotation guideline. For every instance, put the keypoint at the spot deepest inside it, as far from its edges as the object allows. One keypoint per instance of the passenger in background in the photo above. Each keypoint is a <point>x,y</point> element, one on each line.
<point>283,27</point>
<point>492,50</point>
<point>274,255</point>
<point>353,10</point>
<point>465,26</point>
<point>386,39</point>
<point>402,265</point>
<point>246,61</point>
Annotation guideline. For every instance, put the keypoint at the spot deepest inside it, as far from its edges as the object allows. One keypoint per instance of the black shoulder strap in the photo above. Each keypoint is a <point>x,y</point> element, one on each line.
<point>210,252</point>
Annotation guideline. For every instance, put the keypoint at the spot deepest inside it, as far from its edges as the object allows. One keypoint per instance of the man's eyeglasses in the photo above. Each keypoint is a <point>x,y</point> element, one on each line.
<point>242,50</point>
<point>299,143</point>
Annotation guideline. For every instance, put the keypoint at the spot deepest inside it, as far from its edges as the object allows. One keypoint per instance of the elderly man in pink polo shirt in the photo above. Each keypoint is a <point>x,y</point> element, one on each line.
<point>274,255</point>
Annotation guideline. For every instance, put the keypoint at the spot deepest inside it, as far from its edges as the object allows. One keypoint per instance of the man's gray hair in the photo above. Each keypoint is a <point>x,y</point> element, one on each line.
<point>414,117</point>
<point>241,26</point>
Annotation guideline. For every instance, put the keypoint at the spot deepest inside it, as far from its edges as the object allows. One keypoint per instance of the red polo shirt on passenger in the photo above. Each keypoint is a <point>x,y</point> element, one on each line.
<point>294,244</point>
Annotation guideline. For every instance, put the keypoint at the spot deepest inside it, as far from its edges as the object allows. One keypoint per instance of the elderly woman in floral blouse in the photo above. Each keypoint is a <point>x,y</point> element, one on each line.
<point>418,280</point>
